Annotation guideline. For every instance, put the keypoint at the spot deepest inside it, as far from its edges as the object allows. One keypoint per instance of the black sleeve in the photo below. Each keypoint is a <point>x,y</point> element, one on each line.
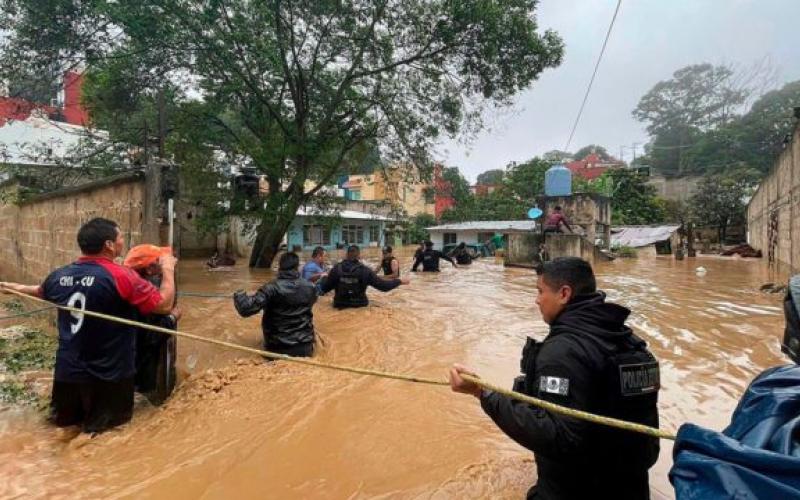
<point>445,257</point>
<point>379,283</point>
<point>247,305</point>
<point>417,262</point>
<point>539,430</point>
<point>331,281</point>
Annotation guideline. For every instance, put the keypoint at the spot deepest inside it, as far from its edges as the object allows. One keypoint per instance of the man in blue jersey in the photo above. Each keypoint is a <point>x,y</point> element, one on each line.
<point>93,381</point>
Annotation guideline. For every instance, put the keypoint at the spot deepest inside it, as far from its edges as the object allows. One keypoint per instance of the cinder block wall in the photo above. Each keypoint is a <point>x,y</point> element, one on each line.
<point>779,194</point>
<point>40,234</point>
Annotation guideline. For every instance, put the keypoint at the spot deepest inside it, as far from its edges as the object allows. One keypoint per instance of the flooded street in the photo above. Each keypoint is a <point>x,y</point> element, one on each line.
<point>241,428</point>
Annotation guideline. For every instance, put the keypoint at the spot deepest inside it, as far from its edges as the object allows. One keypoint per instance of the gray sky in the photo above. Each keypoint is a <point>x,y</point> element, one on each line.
<point>651,39</point>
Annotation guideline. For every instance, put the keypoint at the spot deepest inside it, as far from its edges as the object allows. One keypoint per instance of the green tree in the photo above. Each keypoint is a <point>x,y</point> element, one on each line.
<point>557,156</point>
<point>525,181</point>
<point>697,99</point>
<point>633,201</point>
<point>720,200</point>
<point>300,91</point>
<point>417,228</point>
<point>593,148</point>
<point>491,177</point>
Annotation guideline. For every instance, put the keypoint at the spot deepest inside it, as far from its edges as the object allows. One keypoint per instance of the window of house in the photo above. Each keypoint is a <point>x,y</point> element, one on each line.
<point>352,235</point>
<point>316,236</point>
<point>375,233</point>
<point>484,237</point>
<point>450,238</point>
<point>356,195</point>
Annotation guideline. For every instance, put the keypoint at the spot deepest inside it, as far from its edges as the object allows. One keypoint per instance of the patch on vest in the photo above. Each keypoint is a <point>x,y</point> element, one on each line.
<point>639,378</point>
<point>554,385</point>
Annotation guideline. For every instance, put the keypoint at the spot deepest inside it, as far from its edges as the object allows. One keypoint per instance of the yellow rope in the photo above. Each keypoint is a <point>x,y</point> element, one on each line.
<point>547,405</point>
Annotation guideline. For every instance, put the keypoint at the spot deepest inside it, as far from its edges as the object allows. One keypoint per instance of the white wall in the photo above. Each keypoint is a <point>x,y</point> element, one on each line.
<point>468,237</point>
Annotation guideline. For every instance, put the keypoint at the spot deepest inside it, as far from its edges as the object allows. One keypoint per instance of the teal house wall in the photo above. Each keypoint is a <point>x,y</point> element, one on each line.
<point>294,236</point>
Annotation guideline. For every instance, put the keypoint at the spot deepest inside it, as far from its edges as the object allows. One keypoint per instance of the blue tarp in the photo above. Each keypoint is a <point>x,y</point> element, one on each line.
<point>757,456</point>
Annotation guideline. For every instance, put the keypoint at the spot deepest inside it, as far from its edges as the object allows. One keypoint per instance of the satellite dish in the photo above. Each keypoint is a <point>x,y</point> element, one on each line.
<point>534,213</point>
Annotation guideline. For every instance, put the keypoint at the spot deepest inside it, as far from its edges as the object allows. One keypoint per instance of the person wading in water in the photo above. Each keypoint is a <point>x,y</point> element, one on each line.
<point>350,278</point>
<point>589,361</point>
<point>389,264</point>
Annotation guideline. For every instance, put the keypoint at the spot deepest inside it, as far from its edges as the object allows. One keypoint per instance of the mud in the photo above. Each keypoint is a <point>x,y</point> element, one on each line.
<point>241,428</point>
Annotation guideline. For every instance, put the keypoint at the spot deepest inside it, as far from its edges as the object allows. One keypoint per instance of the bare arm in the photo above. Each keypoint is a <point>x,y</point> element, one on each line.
<point>34,290</point>
<point>167,289</point>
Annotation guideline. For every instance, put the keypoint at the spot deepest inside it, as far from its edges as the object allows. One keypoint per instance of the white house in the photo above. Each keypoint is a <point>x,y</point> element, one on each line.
<point>477,231</point>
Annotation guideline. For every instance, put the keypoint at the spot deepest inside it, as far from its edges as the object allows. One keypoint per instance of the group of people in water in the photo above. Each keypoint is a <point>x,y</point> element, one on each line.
<point>590,360</point>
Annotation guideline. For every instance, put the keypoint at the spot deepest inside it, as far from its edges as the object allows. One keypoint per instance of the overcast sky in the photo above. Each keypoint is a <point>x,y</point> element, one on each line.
<point>651,39</point>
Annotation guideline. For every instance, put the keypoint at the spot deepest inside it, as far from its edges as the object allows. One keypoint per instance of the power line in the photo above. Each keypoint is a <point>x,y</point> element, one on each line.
<point>596,66</point>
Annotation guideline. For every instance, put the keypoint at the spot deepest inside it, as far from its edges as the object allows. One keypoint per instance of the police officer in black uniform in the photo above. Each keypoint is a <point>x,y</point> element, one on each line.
<point>350,278</point>
<point>389,264</point>
<point>287,302</point>
<point>430,259</point>
<point>590,361</point>
<point>462,254</point>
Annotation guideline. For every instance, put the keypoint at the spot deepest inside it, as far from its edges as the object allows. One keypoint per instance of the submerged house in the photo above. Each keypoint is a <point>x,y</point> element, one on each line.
<point>348,227</point>
<point>477,232</point>
<point>661,240</point>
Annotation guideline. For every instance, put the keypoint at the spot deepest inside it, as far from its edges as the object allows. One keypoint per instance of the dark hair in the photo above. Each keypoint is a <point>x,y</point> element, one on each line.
<point>462,245</point>
<point>558,208</point>
<point>353,251</point>
<point>317,252</point>
<point>92,236</point>
<point>429,244</point>
<point>289,262</point>
<point>387,249</point>
<point>570,271</point>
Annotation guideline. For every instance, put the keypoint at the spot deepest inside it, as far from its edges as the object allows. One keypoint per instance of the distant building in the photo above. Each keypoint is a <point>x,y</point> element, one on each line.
<point>66,108</point>
<point>654,239</point>
<point>37,140</point>
<point>443,198</point>
<point>592,166</point>
<point>351,228</point>
<point>477,232</point>
<point>400,187</point>
<point>483,189</point>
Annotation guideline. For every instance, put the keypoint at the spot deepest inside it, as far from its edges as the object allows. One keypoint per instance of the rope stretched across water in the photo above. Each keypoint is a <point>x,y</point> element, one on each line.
<point>547,405</point>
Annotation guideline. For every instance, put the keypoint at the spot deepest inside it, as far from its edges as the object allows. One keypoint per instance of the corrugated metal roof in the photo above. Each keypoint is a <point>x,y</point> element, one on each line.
<point>641,236</point>
<point>344,214</point>
<point>488,225</point>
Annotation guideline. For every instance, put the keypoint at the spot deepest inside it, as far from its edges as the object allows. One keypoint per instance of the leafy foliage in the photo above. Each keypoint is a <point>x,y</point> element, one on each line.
<point>491,177</point>
<point>299,91</point>
<point>593,148</point>
<point>720,200</point>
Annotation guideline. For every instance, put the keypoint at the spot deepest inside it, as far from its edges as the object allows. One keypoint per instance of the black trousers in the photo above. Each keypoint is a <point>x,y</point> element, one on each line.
<point>96,405</point>
<point>297,350</point>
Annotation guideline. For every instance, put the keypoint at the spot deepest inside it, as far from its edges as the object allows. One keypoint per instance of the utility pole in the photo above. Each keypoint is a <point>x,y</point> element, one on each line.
<point>162,123</point>
<point>633,146</point>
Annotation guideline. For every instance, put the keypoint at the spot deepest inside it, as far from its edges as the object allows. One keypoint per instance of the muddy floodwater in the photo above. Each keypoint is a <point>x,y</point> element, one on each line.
<point>240,428</point>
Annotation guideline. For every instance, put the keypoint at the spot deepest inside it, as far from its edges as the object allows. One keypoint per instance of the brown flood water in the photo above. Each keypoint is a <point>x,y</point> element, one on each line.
<point>240,428</point>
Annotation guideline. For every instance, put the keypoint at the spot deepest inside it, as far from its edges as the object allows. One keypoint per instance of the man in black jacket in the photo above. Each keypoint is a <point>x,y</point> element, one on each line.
<point>287,323</point>
<point>350,278</point>
<point>430,259</point>
<point>589,361</point>
<point>462,254</point>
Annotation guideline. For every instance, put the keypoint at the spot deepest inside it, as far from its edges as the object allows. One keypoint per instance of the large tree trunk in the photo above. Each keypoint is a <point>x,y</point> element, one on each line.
<point>269,235</point>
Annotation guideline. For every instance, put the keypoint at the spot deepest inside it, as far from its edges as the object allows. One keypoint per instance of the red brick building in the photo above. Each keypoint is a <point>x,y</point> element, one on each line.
<point>592,166</point>
<point>71,111</point>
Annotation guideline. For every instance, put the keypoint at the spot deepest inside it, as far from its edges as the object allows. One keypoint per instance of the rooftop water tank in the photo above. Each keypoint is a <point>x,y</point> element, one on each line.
<point>558,181</point>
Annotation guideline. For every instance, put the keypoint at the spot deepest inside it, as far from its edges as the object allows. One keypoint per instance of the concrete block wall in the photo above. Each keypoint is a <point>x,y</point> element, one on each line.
<point>40,234</point>
<point>778,197</point>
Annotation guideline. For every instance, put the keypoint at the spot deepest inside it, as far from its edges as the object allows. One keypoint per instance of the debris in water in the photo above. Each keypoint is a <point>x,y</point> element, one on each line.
<point>191,361</point>
<point>700,271</point>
